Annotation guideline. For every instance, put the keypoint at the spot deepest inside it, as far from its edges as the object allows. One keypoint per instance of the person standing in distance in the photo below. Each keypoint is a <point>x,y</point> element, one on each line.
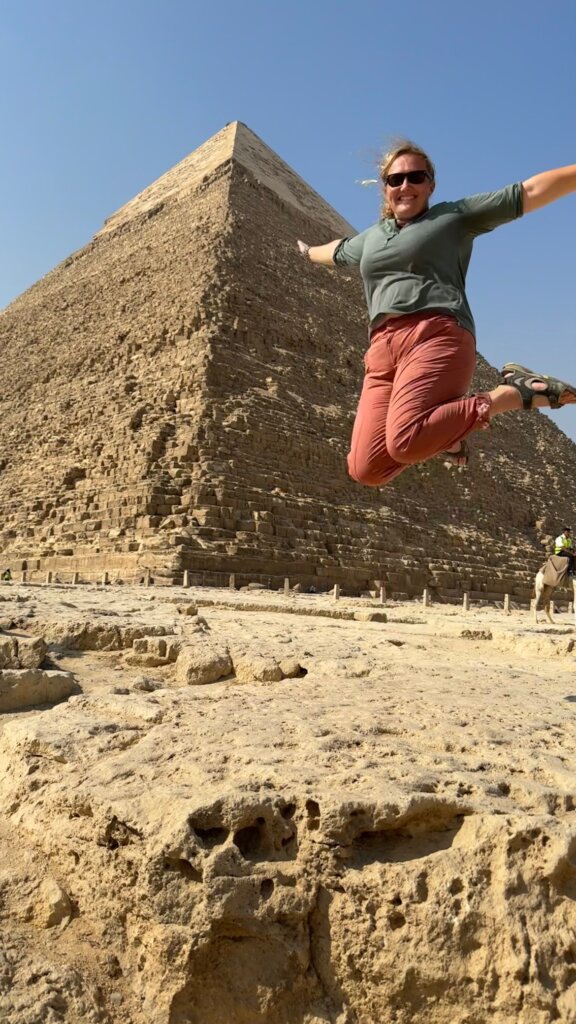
<point>422,353</point>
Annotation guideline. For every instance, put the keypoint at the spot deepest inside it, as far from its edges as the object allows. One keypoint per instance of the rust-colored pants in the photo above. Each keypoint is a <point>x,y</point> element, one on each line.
<point>418,368</point>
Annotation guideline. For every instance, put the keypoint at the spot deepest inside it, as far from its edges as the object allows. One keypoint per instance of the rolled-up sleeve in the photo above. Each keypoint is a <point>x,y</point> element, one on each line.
<point>349,251</point>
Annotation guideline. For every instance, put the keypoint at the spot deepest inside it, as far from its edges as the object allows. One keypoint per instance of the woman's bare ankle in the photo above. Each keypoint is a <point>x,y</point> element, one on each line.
<point>506,398</point>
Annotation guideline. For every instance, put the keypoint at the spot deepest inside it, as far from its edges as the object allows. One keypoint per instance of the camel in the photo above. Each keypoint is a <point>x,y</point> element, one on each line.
<point>555,570</point>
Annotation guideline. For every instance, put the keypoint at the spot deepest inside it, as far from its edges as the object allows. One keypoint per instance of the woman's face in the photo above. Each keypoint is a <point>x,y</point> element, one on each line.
<point>408,200</point>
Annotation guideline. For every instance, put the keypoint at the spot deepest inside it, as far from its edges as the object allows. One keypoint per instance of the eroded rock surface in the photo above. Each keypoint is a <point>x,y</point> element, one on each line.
<point>387,837</point>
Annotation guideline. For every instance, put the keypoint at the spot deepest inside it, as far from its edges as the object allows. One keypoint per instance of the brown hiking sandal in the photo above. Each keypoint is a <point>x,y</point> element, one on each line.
<point>459,458</point>
<point>521,378</point>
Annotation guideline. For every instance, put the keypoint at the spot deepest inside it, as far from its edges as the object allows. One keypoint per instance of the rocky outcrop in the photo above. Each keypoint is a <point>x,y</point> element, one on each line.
<point>271,901</point>
<point>23,683</point>
<point>88,635</point>
<point>21,651</point>
<point>21,688</point>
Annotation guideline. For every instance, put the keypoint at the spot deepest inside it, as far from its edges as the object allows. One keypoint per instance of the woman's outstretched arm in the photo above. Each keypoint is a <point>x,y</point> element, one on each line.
<point>547,187</point>
<point>320,253</point>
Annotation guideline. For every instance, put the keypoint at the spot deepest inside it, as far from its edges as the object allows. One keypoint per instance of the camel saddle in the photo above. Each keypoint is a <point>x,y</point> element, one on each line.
<point>554,570</point>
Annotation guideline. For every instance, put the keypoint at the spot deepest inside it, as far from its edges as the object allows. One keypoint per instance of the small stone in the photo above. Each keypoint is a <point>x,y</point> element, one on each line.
<point>249,669</point>
<point>202,663</point>
<point>187,609</point>
<point>290,668</point>
<point>52,906</point>
<point>147,685</point>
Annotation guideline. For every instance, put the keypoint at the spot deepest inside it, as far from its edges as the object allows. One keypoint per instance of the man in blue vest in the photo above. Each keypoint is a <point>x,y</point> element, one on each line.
<point>564,547</point>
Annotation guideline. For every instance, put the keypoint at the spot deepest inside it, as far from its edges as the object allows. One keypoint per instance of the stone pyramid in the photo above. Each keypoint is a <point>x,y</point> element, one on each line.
<point>179,394</point>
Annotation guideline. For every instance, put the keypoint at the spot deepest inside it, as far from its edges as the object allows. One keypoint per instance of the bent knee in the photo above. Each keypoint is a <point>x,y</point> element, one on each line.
<point>367,477</point>
<point>404,453</point>
<point>372,474</point>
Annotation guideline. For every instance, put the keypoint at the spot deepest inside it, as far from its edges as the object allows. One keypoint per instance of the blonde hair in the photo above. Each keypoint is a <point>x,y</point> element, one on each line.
<point>399,148</point>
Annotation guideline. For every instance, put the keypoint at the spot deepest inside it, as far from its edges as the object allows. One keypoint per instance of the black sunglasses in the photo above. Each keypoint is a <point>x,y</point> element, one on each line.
<point>414,177</point>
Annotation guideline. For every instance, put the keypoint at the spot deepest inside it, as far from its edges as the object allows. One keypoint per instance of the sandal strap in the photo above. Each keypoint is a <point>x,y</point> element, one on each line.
<point>522,379</point>
<point>522,384</point>
<point>554,391</point>
<point>461,455</point>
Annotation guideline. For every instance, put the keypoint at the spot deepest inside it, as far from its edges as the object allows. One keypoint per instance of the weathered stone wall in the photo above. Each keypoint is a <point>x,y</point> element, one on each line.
<point>110,351</point>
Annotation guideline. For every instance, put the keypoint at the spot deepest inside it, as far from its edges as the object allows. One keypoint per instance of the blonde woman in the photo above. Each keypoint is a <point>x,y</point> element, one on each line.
<point>422,353</point>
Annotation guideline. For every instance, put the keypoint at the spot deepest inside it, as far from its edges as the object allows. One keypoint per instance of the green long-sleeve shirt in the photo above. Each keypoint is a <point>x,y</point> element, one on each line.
<point>423,266</point>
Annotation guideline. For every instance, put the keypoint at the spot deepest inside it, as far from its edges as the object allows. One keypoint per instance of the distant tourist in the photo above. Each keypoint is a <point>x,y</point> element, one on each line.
<point>564,547</point>
<point>422,353</point>
<point>6,576</point>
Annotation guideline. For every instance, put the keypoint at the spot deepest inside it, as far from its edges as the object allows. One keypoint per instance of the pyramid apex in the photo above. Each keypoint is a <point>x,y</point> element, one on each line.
<point>235,141</point>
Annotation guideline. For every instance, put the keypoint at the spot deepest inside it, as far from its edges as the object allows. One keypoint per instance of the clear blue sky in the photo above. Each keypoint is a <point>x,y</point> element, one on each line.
<point>98,100</point>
